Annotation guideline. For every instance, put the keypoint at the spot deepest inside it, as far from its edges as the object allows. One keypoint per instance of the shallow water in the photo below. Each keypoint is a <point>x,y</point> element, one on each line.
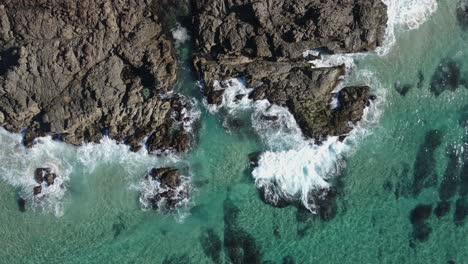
<point>97,218</point>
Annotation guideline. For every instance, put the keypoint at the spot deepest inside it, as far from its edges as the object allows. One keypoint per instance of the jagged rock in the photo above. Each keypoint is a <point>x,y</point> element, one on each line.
<point>79,68</point>
<point>170,191</point>
<point>263,42</point>
<point>323,201</point>
<point>167,176</point>
<point>37,190</point>
<point>22,205</point>
<point>462,14</point>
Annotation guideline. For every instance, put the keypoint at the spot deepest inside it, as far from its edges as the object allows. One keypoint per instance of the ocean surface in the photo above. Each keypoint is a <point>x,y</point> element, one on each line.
<point>408,154</point>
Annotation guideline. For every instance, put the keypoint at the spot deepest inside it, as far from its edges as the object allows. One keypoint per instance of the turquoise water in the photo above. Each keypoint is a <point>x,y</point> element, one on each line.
<point>99,219</point>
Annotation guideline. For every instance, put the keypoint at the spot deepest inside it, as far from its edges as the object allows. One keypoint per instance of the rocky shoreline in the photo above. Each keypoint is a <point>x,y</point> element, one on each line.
<point>79,71</point>
<point>264,42</point>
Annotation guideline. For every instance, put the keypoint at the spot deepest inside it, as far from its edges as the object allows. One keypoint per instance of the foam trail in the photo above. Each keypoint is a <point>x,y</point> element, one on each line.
<point>18,165</point>
<point>292,165</point>
<point>404,15</point>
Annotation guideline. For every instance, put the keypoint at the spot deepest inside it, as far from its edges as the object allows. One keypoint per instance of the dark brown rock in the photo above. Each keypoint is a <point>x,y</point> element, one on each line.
<point>462,14</point>
<point>50,178</point>
<point>41,173</point>
<point>263,42</point>
<point>37,190</point>
<point>45,174</point>
<point>22,205</point>
<point>171,191</point>
<point>79,68</point>
<point>167,176</point>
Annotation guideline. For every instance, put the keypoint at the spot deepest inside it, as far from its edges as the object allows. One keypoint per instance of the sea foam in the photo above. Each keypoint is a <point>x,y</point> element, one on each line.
<point>18,165</point>
<point>404,15</point>
<point>292,166</point>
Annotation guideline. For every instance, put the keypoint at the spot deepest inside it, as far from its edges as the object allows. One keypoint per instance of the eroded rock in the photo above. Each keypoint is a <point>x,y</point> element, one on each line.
<point>79,68</point>
<point>43,175</point>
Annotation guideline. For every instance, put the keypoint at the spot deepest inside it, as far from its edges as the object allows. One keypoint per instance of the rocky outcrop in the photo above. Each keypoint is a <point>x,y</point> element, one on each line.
<point>83,69</point>
<point>264,41</point>
<point>43,175</point>
<point>284,29</point>
<point>168,188</point>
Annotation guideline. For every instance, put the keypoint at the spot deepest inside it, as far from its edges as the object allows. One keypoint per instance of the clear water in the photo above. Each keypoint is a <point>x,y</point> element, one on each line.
<point>97,219</point>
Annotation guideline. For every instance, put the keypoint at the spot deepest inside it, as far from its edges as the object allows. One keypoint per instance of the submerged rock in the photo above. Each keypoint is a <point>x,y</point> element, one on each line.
<point>211,244</point>
<point>418,217</point>
<point>462,14</point>
<point>402,89</point>
<point>22,204</point>
<point>167,188</point>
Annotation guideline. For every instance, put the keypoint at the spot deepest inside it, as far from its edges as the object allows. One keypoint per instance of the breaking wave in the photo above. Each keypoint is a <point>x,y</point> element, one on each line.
<point>18,164</point>
<point>405,15</point>
<point>293,166</point>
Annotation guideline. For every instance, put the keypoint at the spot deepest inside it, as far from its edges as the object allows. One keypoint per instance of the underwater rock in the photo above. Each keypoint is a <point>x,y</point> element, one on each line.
<point>442,209</point>
<point>323,202</point>
<point>403,187</point>
<point>461,211</point>
<point>211,244</point>
<point>288,260</point>
<point>449,184</point>
<point>240,246</point>
<point>424,166</point>
<point>168,189</point>
<point>462,14</point>
<point>420,79</point>
<point>418,218</point>
<point>447,77</point>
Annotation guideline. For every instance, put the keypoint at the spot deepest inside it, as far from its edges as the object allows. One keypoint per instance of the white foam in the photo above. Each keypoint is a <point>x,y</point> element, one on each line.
<point>190,115</point>
<point>180,35</point>
<point>333,60</point>
<point>405,15</point>
<point>18,166</point>
<point>293,166</point>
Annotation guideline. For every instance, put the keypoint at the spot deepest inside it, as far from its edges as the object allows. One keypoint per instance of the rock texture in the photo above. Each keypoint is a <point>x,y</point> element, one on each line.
<point>43,175</point>
<point>264,41</point>
<point>284,29</point>
<point>169,191</point>
<point>83,69</point>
